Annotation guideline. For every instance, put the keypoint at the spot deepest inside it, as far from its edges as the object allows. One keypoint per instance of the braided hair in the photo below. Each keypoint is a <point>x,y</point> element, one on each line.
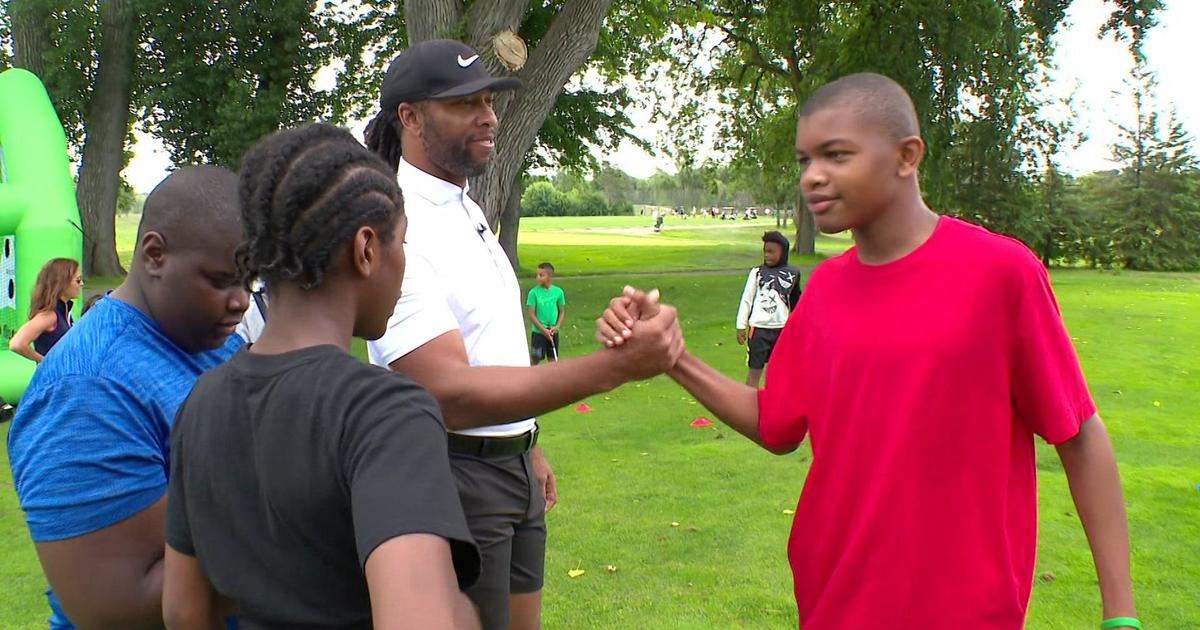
<point>304,192</point>
<point>383,136</point>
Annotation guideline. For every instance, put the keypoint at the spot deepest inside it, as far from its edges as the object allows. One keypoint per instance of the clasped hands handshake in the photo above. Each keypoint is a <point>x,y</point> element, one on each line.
<point>645,333</point>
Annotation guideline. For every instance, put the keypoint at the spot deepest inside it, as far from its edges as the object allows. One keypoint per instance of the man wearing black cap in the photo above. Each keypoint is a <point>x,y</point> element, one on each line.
<point>458,328</point>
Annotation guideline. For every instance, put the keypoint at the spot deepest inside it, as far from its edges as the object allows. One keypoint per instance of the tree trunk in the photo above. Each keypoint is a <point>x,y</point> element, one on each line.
<point>510,222</point>
<point>107,126</point>
<point>430,19</point>
<point>31,38</point>
<point>806,229</point>
<point>564,48</point>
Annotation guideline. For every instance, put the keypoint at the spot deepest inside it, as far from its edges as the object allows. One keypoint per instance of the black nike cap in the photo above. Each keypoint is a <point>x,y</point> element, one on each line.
<point>438,68</point>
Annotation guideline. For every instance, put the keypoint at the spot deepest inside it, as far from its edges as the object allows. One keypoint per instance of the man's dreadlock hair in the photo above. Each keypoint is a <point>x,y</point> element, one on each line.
<point>304,192</point>
<point>383,136</point>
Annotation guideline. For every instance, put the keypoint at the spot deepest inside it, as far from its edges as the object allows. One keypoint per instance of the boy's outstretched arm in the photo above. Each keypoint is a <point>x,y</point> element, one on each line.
<point>1096,488</point>
<point>481,395</point>
<point>734,403</point>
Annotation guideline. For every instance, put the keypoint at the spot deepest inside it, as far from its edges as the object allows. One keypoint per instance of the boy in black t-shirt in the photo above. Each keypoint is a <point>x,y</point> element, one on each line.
<point>309,488</point>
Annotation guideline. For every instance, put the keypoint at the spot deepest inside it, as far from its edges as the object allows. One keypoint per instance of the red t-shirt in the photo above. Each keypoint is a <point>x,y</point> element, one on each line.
<point>922,383</point>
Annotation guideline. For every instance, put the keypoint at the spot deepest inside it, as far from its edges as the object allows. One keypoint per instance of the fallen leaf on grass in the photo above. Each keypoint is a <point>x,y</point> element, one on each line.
<point>701,422</point>
<point>1048,577</point>
<point>674,523</point>
<point>612,568</point>
<point>1157,404</point>
<point>789,512</point>
<point>574,573</point>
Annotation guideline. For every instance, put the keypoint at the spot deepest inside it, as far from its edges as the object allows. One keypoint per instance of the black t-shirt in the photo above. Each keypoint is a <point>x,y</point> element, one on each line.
<point>288,470</point>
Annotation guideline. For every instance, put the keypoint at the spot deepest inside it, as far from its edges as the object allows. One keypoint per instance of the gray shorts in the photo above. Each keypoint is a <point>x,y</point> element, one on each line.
<point>506,513</point>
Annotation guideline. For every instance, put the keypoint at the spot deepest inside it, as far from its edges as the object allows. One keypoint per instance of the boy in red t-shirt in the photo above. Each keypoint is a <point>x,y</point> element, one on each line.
<point>922,362</point>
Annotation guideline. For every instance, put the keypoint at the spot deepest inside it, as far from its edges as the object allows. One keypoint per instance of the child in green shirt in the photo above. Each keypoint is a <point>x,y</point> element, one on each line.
<point>547,306</point>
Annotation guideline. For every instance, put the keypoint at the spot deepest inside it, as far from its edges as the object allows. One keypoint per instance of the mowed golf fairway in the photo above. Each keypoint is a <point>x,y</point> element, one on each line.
<point>679,527</point>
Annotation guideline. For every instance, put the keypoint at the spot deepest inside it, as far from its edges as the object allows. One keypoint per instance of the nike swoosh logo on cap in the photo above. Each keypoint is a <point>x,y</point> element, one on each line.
<point>463,63</point>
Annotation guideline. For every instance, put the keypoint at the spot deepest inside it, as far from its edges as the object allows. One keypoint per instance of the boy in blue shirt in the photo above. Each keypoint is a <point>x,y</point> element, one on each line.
<point>547,306</point>
<point>90,443</point>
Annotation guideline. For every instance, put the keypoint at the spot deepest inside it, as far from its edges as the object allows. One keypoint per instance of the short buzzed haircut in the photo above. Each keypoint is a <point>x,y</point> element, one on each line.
<point>547,266</point>
<point>192,206</point>
<point>874,98</point>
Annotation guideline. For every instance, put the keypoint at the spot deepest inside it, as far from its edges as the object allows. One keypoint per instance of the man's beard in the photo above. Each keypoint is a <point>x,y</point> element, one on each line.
<point>453,158</point>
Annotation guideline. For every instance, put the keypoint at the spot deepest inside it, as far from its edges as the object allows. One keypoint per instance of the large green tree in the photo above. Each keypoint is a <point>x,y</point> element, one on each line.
<point>240,70</point>
<point>244,70</point>
<point>247,68</point>
<point>973,68</point>
<point>84,53</point>
<point>1157,192</point>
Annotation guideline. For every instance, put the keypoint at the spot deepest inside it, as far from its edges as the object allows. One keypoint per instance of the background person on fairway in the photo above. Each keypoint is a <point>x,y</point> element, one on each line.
<point>922,362</point>
<point>459,331</point>
<point>547,306</point>
<point>308,487</point>
<point>58,285</point>
<point>89,445</point>
<point>772,290</point>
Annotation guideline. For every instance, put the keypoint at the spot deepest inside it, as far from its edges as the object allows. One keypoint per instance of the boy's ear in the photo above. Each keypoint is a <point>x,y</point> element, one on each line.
<point>152,253</point>
<point>912,151</point>
<point>364,251</point>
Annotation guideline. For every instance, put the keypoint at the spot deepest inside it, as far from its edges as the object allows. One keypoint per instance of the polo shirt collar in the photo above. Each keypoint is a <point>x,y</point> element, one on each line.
<point>435,190</point>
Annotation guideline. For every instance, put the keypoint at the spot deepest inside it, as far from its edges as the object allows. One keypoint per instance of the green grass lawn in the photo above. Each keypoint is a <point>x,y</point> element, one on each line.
<point>633,466</point>
<point>610,245</point>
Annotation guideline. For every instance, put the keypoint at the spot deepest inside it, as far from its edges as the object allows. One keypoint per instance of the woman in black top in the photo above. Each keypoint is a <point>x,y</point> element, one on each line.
<point>308,489</point>
<point>58,285</point>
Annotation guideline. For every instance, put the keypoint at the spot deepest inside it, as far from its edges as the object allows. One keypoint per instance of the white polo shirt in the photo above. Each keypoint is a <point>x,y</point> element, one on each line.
<point>456,277</point>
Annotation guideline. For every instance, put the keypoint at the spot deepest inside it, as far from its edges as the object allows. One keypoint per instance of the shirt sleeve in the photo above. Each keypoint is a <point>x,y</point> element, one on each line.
<point>86,454</point>
<point>562,297</point>
<point>747,303</point>
<point>1048,388</point>
<point>794,294</point>
<point>398,469</point>
<point>782,419</point>
<point>179,531</point>
<point>530,301</point>
<point>421,314</point>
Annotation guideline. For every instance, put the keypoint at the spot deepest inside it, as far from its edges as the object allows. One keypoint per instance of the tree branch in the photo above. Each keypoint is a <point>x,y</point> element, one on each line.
<point>566,46</point>
<point>486,18</point>
<point>758,60</point>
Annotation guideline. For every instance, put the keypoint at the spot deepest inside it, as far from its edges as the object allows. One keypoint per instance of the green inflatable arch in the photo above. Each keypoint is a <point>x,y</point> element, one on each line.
<point>38,215</point>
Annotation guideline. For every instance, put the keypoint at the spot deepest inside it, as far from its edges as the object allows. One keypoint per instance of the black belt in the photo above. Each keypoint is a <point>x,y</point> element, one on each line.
<point>480,446</point>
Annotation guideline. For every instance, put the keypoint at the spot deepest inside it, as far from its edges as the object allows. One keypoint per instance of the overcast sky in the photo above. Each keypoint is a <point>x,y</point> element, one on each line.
<point>1091,68</point>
